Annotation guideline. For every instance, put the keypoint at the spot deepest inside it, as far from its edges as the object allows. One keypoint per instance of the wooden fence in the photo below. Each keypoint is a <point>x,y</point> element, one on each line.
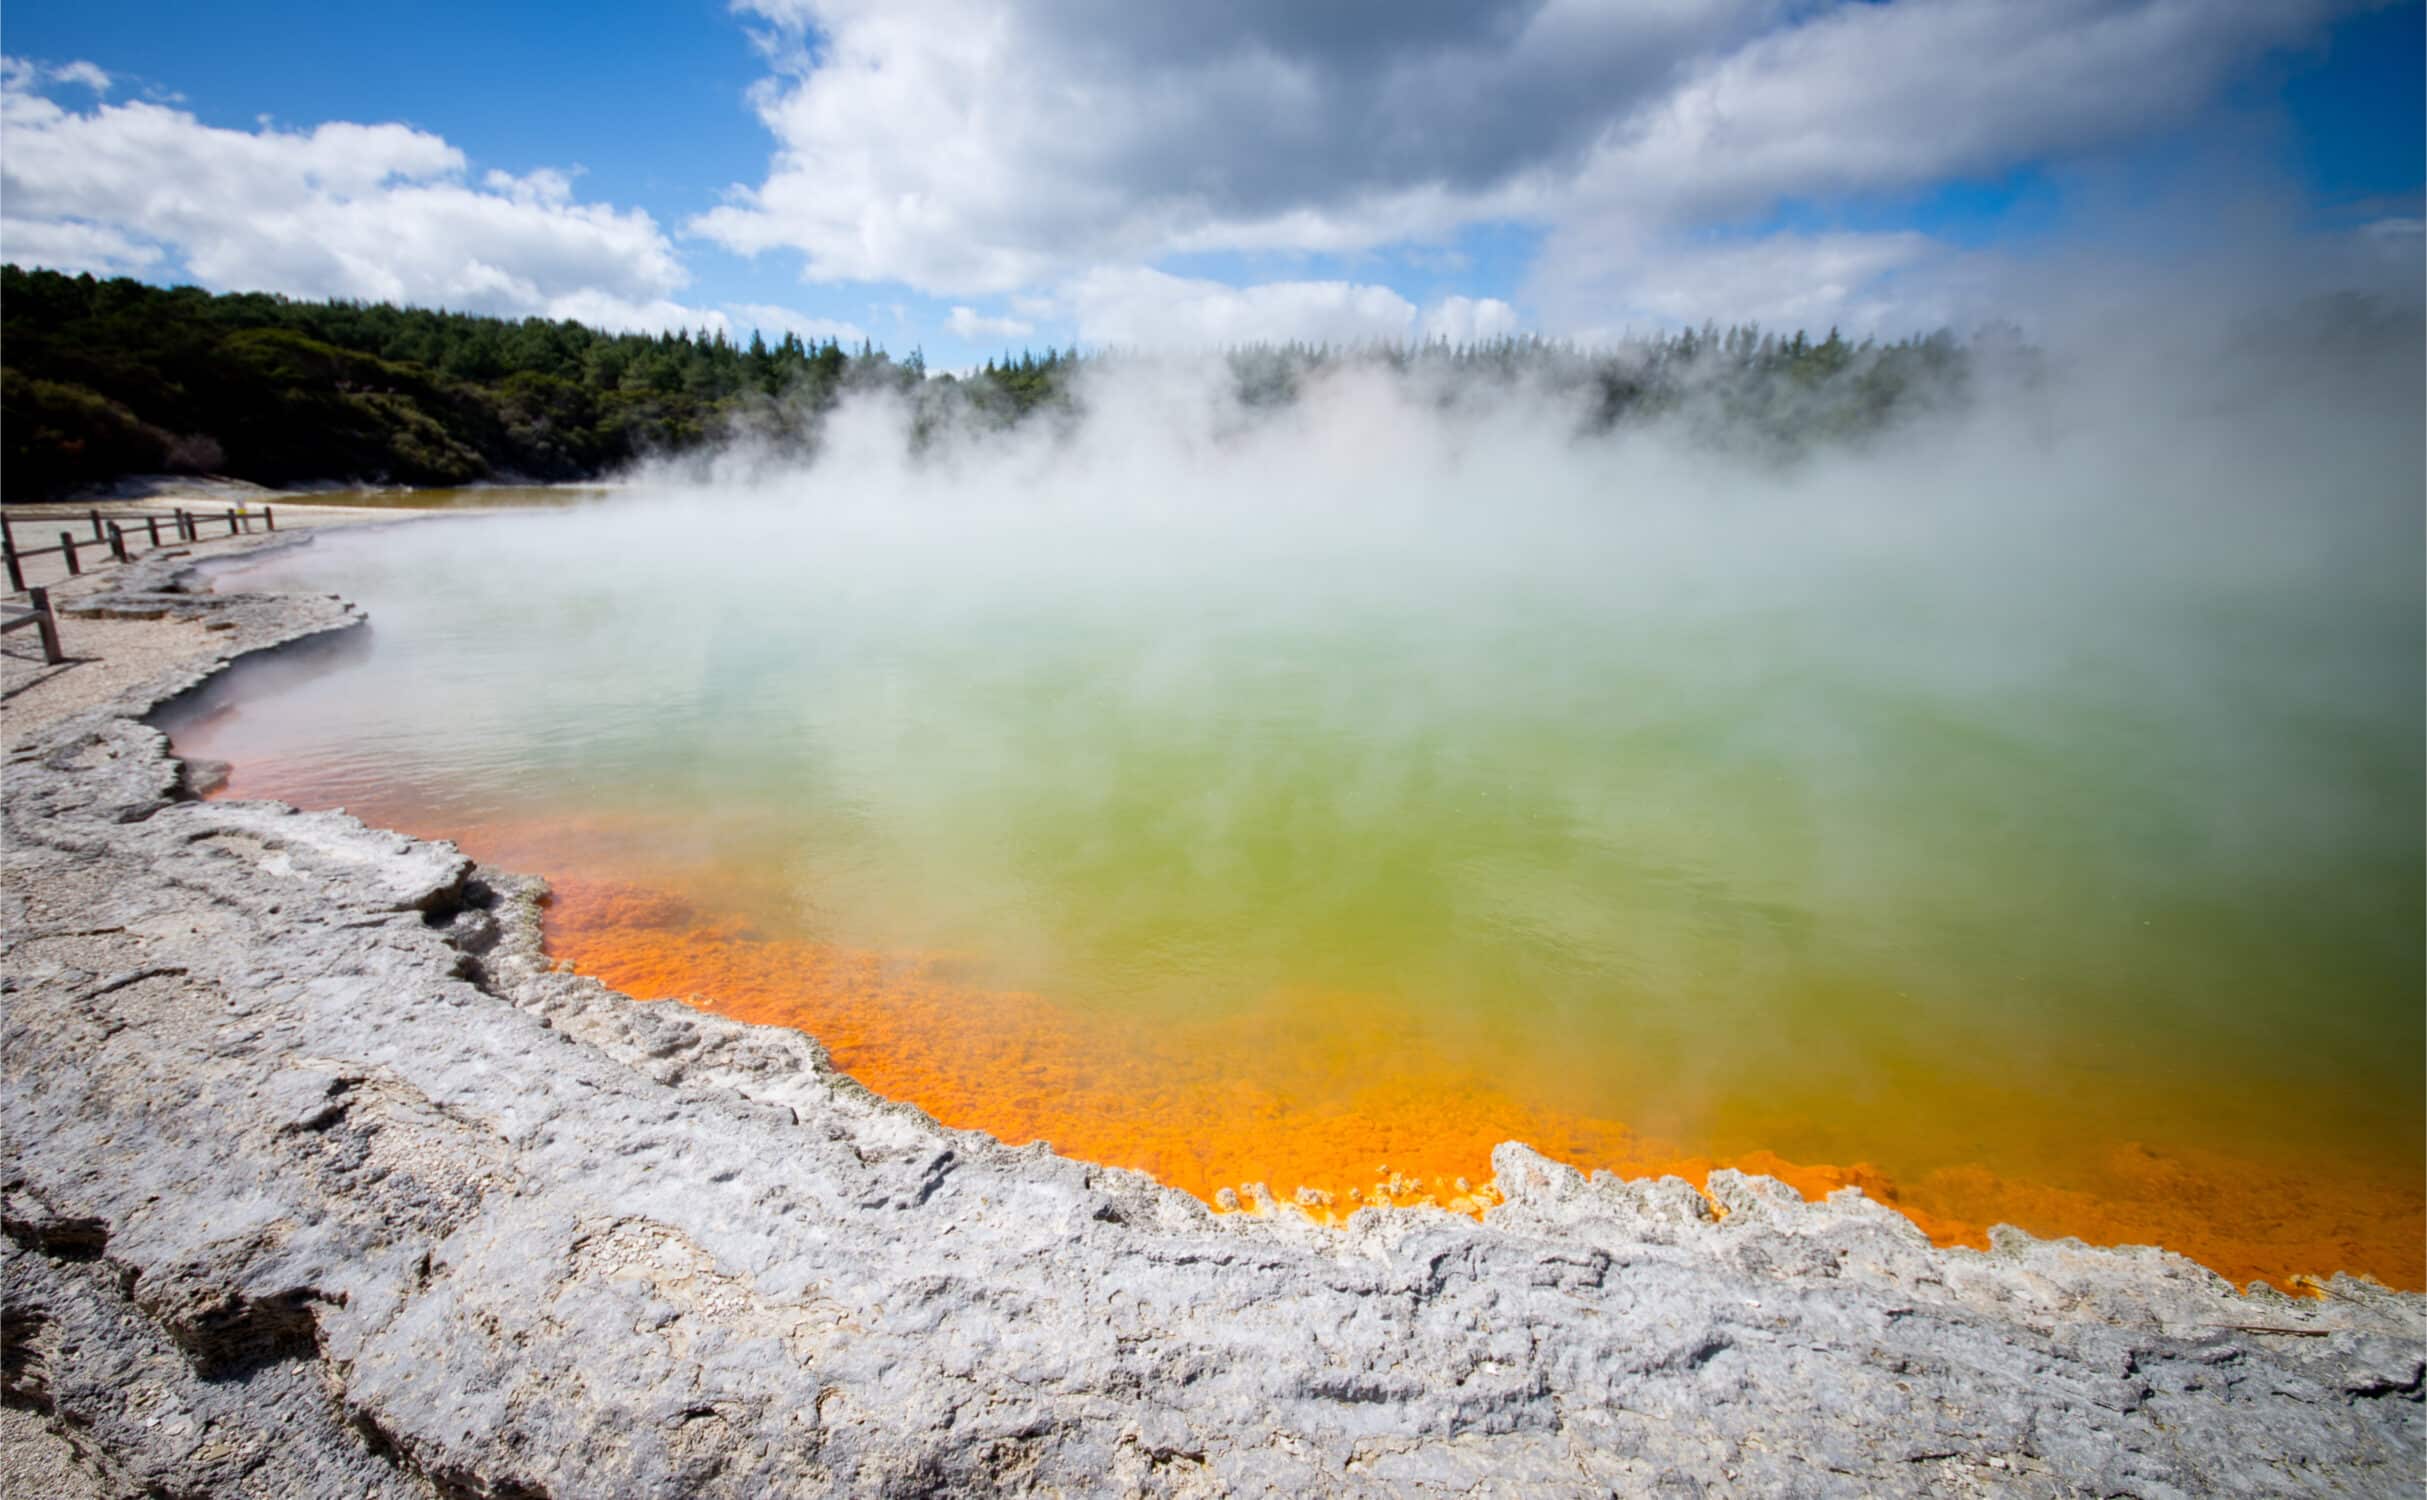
<point>42,617</point>
<point>120,538</point>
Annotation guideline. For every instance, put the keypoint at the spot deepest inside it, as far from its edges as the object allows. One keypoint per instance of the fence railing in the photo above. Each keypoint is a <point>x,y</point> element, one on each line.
<point>42,617</point>
<point>120,538</point>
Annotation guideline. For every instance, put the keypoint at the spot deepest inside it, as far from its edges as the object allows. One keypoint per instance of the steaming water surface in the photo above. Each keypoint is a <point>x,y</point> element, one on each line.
<point>1335,846</point>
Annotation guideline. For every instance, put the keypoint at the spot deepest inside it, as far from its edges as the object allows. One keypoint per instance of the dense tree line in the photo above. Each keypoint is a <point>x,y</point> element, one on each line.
<point>1735,387</point>
<point>103,379</point>
<point>108,378</point>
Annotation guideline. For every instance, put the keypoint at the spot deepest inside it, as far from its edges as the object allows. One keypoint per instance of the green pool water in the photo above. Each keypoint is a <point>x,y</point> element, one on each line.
<point>1836,836</point>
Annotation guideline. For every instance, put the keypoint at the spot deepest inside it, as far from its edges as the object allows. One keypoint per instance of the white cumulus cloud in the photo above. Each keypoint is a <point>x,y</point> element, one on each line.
<point>971,147</point>
<point>1865,98</point>
<point>65,245</point>
<point>1145,308</point>
<point>992,147</point>
<point>1043,162</point>
<point>343,210</point>
<point>82,73</point>
<point>1469,320</point>
<point>969,323</point>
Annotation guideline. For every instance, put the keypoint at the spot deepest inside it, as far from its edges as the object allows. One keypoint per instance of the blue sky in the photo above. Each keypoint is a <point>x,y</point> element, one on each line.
<point>971,177</point>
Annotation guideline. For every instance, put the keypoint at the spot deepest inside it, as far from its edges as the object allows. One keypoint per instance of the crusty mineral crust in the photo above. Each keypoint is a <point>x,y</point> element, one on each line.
<point>323,1182</point>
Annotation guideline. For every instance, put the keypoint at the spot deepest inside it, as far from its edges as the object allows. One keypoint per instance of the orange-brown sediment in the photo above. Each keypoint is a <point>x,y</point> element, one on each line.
<point>1323,1099</point>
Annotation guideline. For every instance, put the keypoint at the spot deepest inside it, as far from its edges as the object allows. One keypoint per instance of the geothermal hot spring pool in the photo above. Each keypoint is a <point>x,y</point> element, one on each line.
<point>2039,859</point>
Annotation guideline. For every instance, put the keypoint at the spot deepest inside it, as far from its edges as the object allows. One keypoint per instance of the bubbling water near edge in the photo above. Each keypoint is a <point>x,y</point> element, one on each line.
<point>2035,860</point>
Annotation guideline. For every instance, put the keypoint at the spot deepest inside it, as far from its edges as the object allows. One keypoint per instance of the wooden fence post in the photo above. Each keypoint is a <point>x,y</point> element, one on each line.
<point>154,523</point>
<point>118,543</point>
<point>269,518</point>
<point>67,549</point>
<point>46,625</point>
<point>231,520</point>
<point>96,515</point>
<point>16,574</point>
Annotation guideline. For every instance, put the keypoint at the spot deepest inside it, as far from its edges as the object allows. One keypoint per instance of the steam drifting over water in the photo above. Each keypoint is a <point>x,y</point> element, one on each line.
<point>1320,788</point>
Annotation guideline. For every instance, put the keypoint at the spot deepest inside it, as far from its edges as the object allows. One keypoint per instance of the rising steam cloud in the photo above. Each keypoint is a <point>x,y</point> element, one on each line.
<point>2078,690</point>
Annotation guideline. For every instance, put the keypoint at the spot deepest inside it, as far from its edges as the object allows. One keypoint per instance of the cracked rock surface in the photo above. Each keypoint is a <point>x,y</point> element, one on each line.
<point>321,1180</point>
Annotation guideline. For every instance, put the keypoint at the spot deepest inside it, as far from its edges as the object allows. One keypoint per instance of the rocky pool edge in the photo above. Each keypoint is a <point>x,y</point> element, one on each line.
<point>345,1184</point>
